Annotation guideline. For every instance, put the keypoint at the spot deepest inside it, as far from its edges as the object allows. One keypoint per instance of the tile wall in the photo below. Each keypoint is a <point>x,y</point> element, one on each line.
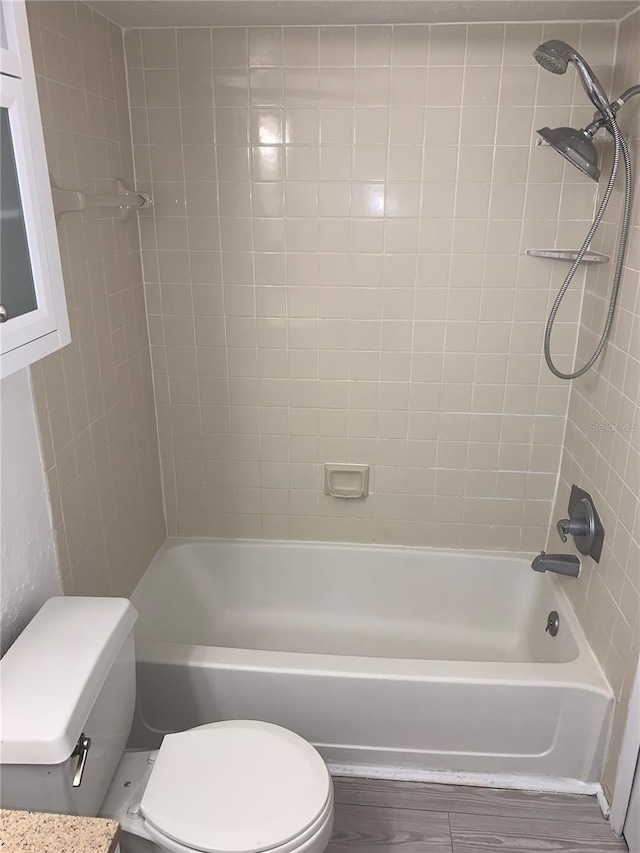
<point>95,397</point>
<point>334,273</point>
<point>602,446</point>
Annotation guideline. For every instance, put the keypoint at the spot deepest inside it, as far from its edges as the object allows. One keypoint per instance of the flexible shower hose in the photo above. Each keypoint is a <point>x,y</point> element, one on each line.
<point>620,149</point>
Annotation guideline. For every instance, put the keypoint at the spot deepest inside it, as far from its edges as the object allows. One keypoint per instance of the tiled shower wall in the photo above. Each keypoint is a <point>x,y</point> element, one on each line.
<point>95,397</point>
<point>333,273</point>
<point>602,447</point>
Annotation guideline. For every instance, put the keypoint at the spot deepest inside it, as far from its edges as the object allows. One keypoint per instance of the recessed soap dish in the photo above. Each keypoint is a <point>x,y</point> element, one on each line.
<point>346,481</point>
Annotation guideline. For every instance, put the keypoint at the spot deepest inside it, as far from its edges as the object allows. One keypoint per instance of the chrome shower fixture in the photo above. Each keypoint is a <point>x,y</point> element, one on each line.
<point>555,56</point>
<point>577,147</point>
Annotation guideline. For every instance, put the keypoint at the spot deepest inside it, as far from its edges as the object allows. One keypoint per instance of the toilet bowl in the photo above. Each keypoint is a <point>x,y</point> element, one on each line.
<point>238,786</point>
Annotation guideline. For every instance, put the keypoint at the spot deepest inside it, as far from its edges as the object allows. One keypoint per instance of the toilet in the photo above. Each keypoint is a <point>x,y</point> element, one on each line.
<point>68,696</point>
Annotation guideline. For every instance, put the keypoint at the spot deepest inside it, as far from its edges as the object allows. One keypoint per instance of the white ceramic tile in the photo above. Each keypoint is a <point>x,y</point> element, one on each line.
<point>265,46</point>
<point>410,45</point>
<point>230,47</point>
<point>194,48</point>
<point>336,46</point>
<point>301,46</point>
<point>373,46</point>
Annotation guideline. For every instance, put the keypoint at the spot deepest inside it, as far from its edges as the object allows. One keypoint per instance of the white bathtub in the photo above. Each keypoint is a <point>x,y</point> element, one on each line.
<point>407,659</point>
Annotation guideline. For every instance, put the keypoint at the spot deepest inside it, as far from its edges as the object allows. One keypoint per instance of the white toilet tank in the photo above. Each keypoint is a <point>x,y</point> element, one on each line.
<point>70,673</point>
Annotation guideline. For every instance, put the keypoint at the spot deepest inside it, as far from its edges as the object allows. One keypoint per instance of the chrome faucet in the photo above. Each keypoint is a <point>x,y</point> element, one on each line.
<point>583,524</point>
<point>561,564</point>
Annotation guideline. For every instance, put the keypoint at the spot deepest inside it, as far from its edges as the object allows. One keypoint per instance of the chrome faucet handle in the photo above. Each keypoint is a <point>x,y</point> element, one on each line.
<point>573,527</point>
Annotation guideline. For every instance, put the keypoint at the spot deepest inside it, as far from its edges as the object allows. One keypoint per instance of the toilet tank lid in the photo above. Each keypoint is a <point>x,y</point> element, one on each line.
<point>53,673</point>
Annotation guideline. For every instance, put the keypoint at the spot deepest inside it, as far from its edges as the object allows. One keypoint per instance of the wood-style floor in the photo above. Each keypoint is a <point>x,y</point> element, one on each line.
<point>416,817</point>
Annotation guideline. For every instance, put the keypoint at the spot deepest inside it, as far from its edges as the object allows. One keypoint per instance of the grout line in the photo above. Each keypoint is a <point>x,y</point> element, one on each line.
<point>154,374</point>
<point>191,294</point>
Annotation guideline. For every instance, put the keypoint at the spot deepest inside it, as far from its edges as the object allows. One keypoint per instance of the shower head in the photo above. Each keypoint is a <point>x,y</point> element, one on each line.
<point>576,146</point>
<point>555,55</point>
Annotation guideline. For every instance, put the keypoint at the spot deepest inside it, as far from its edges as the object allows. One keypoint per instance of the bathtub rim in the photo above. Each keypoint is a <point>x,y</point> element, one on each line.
<point>173,542</point>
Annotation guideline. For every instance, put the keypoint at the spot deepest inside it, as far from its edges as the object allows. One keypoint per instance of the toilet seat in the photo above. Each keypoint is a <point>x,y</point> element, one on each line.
<point>314,840</point>
<point>237,786</point>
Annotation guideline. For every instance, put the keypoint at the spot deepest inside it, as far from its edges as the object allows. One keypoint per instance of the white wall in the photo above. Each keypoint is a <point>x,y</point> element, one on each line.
<point>29,568</point>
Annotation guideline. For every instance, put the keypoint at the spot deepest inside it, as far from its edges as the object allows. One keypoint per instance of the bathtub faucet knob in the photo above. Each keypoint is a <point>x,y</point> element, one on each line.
<point>572,527</point>
<point>560,528</point>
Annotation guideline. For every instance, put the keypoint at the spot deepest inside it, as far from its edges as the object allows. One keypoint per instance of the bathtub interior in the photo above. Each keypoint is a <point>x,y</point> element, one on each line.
<point>343,600</point>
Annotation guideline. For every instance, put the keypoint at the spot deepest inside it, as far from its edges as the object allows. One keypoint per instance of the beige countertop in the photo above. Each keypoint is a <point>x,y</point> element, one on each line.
<point>37,832</point>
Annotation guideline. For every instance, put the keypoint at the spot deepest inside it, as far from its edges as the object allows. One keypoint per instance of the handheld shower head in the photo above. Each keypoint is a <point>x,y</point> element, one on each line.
<point>555,55</point>
<point>552,55</point>
<point>576,146</point>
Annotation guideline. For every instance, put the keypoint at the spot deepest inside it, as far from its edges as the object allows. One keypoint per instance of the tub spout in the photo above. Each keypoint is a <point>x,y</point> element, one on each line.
<point>561,564</point>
